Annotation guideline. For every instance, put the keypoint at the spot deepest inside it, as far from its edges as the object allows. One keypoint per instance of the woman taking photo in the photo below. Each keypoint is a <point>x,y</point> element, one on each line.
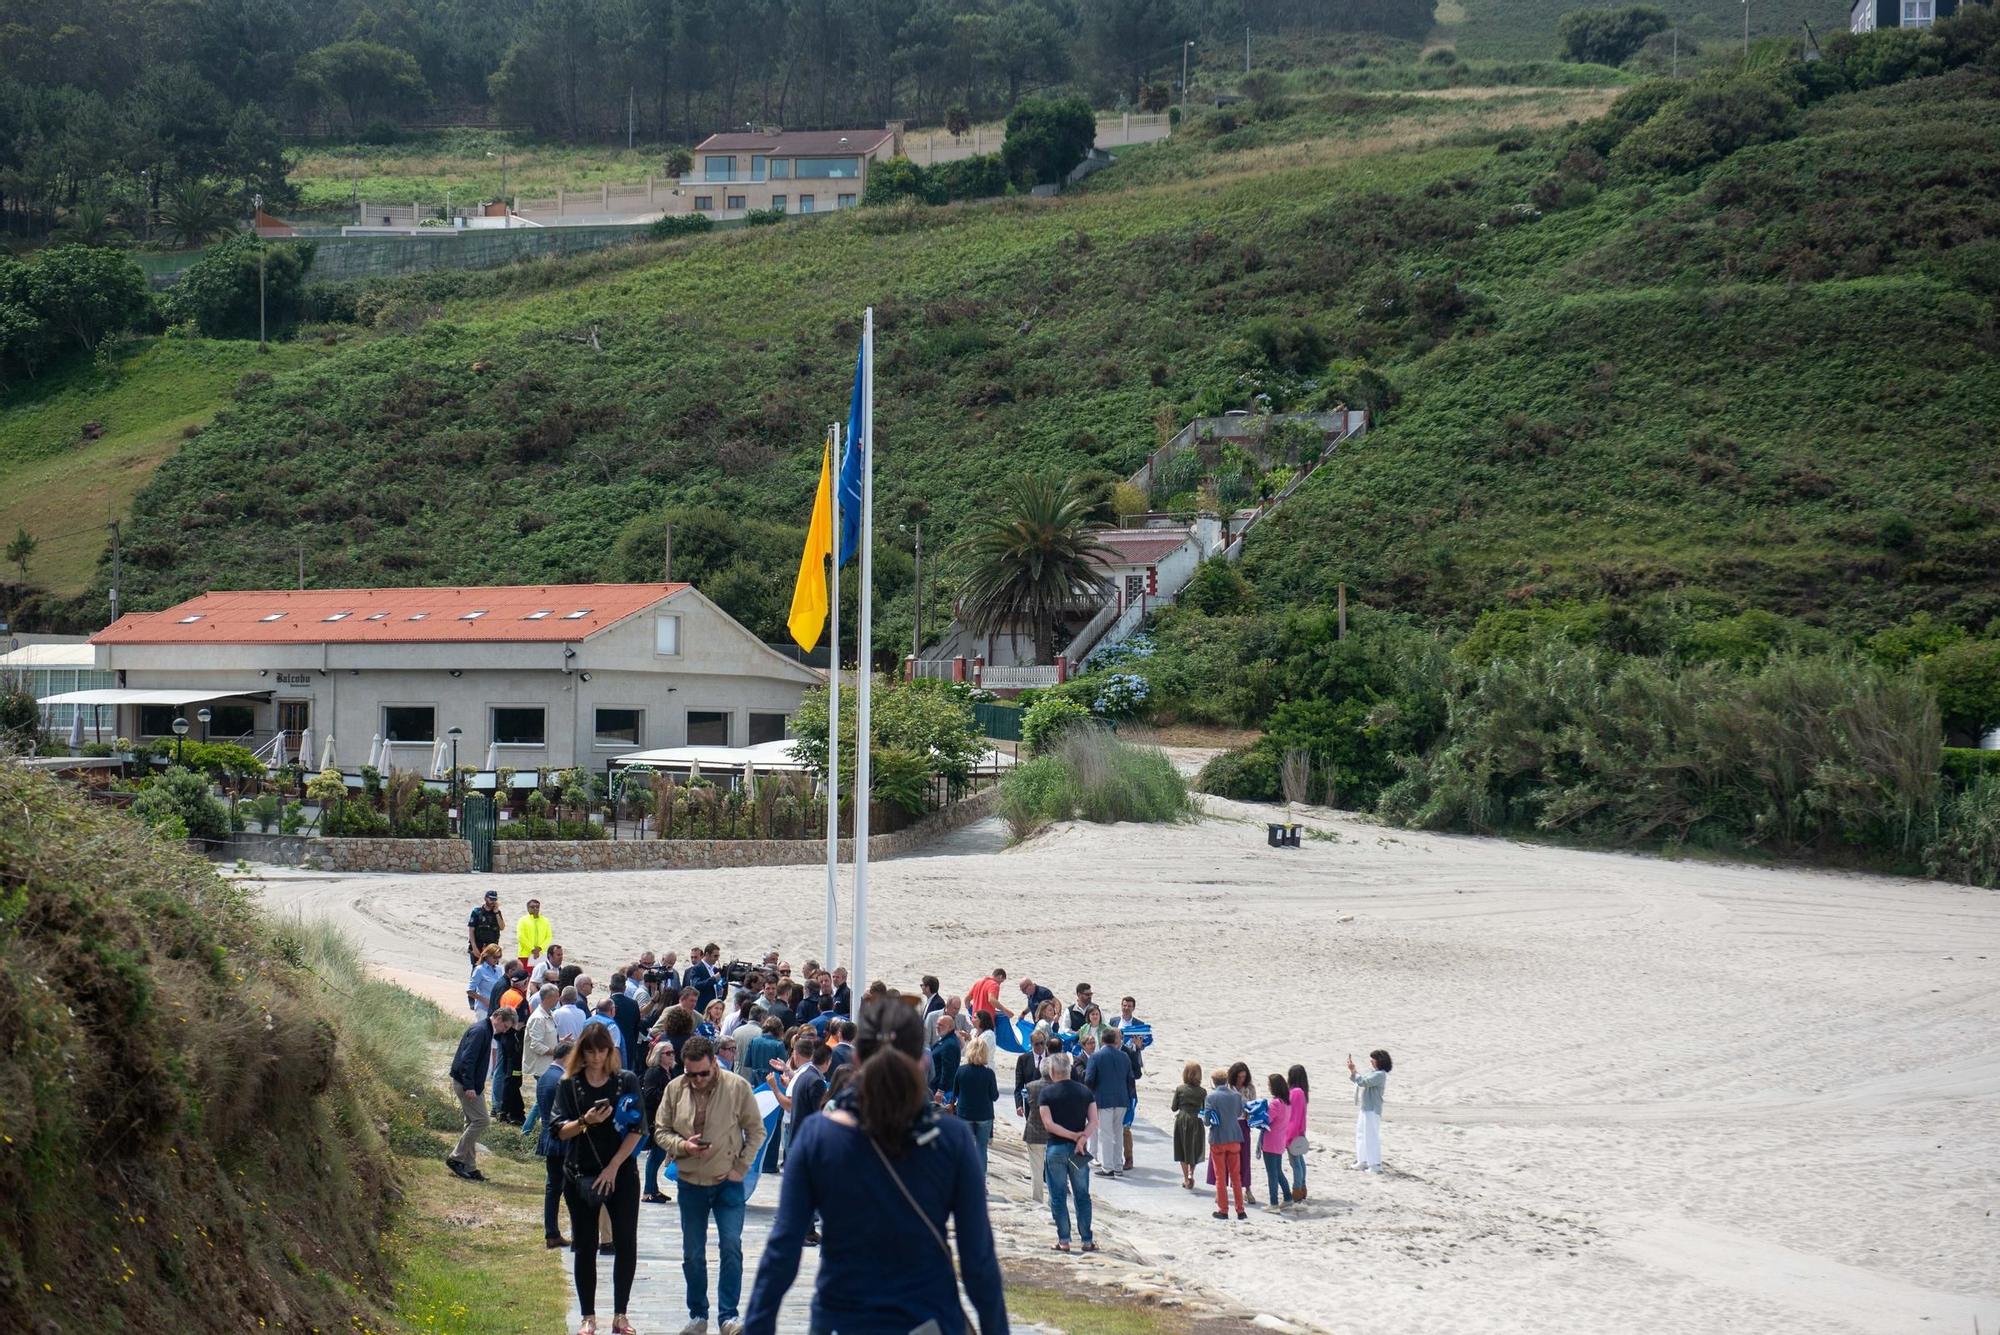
<point>590,1103</point>
<point>889,1174</point>
<point>1368,1110</point>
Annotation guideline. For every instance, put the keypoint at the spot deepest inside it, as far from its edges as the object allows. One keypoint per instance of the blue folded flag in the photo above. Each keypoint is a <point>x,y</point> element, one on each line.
<point>1259,1113</point>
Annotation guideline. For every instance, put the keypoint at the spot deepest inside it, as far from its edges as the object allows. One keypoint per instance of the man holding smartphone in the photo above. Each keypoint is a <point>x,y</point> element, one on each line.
<point>709,1125</point>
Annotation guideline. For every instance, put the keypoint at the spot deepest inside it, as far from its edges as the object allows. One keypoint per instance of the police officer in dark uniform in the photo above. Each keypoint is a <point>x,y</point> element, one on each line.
<point>483,925</point>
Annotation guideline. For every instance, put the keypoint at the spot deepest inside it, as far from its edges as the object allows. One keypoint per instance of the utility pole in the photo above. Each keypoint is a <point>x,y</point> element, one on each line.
<point>302,566</point>
<point>258,200</point>
<point>1677,53</point>
<point>1342,633</point>
<point>917,631</point>
<point>1246,48</point>
<point>1185,48</point>
<point>117,568</point>
<point>667,558</point>
<point>1746,31</point>
<point>631,110</point>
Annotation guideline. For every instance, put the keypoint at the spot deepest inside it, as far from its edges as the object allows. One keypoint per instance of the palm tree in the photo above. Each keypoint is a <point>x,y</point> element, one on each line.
<point>1032,562</point>
<point>90,224</point>
<point>195,212</point>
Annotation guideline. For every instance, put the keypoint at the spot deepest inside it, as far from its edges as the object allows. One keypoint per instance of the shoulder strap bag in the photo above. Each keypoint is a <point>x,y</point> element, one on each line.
<point>583,1184</point>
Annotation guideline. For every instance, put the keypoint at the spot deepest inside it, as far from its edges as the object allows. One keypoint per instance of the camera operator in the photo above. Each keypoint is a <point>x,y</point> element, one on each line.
<point>889,1174</point>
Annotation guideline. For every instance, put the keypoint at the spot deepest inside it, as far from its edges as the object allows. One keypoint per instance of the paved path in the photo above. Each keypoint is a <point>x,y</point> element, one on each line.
<point>659,1298</point>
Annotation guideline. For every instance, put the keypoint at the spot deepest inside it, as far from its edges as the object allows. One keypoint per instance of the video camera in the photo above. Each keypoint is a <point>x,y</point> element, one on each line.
<point>737,970</point>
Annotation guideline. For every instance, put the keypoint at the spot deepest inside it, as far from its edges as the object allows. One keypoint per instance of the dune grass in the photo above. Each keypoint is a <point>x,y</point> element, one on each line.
<point>1091,775</point>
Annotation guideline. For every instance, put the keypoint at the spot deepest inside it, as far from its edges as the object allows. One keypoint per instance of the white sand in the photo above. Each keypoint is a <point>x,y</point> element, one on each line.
<point>1629,1094</point>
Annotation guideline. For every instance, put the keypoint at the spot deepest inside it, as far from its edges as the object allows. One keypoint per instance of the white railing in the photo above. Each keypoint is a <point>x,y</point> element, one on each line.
<point>1017,678</point>
<point>1093,631</point>
<point>272,753</point>
<point>934,669</point>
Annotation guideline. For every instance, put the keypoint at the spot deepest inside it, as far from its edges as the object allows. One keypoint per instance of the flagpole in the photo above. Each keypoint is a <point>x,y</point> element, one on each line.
<point>863,643</point>
<point>833,727</point>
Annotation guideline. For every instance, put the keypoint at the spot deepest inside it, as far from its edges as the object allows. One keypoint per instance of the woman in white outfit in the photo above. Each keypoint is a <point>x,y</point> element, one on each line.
<point>1368,1110</point>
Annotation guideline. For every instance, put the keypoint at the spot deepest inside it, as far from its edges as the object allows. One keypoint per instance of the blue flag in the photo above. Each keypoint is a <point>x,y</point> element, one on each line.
<point>850,468</point>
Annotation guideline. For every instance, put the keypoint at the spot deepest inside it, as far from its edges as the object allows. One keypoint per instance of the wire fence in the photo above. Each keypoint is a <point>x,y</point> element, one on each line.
<point>338,259</point>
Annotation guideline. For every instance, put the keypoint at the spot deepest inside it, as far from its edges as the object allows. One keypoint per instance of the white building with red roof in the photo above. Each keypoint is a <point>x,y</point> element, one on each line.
<point>535,676</point>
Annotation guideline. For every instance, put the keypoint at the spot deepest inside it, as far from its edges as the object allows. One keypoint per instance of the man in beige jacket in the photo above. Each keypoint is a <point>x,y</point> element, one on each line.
<point>709,1125</point>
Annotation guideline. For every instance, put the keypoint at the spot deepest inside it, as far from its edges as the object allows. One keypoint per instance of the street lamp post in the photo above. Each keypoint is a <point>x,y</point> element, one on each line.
<point>1186,47</point>
<point>204,716</point>
<point>180,736</point>
<point>259,204</point>
<point>457,805</point>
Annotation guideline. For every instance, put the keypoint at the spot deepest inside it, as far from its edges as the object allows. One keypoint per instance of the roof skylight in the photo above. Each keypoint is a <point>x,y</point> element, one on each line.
<point>189,621</point>
<point>275,616</point>
<point>338,616</point>
<point>577,615</point>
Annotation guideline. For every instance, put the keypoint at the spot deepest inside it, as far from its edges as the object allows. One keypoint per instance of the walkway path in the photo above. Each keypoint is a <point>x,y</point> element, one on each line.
<point>659,1298</point>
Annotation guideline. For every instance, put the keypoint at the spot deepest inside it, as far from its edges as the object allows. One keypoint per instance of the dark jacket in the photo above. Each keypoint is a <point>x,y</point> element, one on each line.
<point>1110,1078</point>
<point>545,1092</point>
<point>843,1001</point>
<point>625,1014</point>
<point>1026,1072</point>
<point>880,1269</point>
<point>473,1062</point>
<point>945,1055</point>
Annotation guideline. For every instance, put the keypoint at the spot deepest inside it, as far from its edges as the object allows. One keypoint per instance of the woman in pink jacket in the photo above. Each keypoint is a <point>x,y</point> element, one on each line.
<point>1296,1078</point>
<point>1278,1136</point>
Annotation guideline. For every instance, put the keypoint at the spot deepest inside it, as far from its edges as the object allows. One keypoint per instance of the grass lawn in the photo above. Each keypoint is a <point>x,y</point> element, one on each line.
<point>470,1261</point>
<point>64,488</point>
<point>423,168</point>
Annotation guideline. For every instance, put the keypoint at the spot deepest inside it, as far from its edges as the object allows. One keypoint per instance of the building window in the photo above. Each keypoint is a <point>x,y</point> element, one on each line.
<point>778,203</point>
<point>829,169</point>
<point>157,720</point>
<point>708,727</point>
<point>759,166</point>
<point>619,727</point>
<point>577,615</point>
<point>231,721</point>
<point>275,616</point>
<point>1918,13</point>
<point>338,616</point>
<point>766,728</point>
<point>781,169</point>
<point>805,203</point>
<point>718,166</point>
<point>189,621</point>
<point>409,723</point>
<point>520,725</point>
<point>704,203</point>
<point>667,636</point>
<point>419,616</point>
<point>736,202</point>
<point>844,202</point>
<point>537,616</point>
<point>378,616</point>
<point>473,616</point>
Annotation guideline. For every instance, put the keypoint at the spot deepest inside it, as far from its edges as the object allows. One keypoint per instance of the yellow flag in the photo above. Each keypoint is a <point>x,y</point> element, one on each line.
<point>809,595</point>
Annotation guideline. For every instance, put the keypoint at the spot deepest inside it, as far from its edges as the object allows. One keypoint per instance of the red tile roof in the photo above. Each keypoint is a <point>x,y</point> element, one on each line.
<point>796,143</point>
<point>389,616</point>
<point>1142,546</point>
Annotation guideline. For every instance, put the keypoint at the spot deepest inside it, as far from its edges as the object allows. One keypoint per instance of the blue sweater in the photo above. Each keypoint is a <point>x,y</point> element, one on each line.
<point>880,1269</point>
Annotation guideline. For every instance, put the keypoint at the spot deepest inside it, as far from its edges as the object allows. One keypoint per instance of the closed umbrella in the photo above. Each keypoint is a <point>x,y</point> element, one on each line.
<point>76,728</point>
<point>326,753</point>
<point>305,747</point>
<point>382,762</point>
<point>493,758</point>
<point>375,751</point>
<point>440,756</point>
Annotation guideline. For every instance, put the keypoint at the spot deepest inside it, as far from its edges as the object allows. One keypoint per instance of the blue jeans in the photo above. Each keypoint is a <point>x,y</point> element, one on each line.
<point>724,1200</point>
<point>982,1136</point>
<point>1298,1172</point>
<point>534,1115</point>
<point>1066,1173</point>
<point>1274,1175</point>
<point>655,1156</point>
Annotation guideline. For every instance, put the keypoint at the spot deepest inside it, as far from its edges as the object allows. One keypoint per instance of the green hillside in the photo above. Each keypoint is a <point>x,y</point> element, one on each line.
<point>1526,29</point>
<point>1607,364</point>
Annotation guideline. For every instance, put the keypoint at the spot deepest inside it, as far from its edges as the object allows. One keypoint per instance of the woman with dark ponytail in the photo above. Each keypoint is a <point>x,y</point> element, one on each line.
<point>890,1176</point>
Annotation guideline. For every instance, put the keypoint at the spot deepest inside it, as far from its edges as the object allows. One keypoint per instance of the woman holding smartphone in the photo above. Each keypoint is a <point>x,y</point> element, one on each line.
<point>599,1157</point>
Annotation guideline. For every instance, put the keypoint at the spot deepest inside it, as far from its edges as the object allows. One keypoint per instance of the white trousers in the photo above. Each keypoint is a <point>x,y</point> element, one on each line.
<point>1108,1144</point>
<point>1368,1140</point>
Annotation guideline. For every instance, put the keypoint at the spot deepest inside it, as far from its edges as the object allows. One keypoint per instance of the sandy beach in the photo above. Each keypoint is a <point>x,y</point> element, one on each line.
<point>1630,1094</point>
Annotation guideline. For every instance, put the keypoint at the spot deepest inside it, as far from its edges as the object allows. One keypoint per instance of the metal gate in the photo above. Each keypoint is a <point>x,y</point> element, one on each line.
<point>477,826</point>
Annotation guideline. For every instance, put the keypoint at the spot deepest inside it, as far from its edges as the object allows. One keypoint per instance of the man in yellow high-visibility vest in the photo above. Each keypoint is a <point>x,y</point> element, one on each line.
<point>532,935</point>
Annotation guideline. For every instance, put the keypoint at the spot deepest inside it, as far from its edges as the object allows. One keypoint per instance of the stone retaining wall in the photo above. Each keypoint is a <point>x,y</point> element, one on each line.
<point>399,855</point>
<point>547,855</point>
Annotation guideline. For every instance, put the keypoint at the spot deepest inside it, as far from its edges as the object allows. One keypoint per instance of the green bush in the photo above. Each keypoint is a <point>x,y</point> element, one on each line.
<point>1608,36</point>
<point>219,291</point>
<point>182,795</point>
<point>1966,847</point>
<point>1706,124</point>
<point>1966,676</point>
<point>1048,719</point>
<point>1963,766</point>
<point>764,217</point>
<point>901,777</point>
<point>1046,138</point>
<point>1091,775</point>
<point>680,224</point>
<point>1246,774</point>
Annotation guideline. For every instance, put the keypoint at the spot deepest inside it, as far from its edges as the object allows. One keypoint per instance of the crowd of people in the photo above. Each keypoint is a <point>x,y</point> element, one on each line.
<point>877,1115</point>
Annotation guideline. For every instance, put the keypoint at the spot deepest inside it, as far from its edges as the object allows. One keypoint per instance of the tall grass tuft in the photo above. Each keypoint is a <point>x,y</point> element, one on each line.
<point>1091,775</point>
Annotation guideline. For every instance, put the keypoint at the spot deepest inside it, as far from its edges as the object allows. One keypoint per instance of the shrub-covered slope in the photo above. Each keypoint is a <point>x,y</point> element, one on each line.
<point>188,1140</point>
<point>1753,372</point>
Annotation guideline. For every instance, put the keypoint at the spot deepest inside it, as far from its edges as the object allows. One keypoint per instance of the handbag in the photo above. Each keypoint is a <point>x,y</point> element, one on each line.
<point>936,1236</point>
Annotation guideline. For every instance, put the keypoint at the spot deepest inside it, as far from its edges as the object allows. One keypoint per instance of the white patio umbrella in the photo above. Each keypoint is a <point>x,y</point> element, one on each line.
<point>493,757</point>
<point>440,757</point>
<point>382,760</point>
<point>375,751</point>
<point>305,747</point>
<point>326,752</point>
<point>76,727</point>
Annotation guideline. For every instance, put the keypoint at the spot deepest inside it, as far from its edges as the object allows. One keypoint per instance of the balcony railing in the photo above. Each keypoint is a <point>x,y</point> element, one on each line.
<point>763,178</point>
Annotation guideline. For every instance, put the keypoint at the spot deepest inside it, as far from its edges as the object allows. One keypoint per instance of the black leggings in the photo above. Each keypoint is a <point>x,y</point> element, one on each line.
<point>624,1208</point>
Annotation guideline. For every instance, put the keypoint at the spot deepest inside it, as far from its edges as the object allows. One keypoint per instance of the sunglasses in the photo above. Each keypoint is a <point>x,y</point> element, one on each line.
<point>699,1075</point>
